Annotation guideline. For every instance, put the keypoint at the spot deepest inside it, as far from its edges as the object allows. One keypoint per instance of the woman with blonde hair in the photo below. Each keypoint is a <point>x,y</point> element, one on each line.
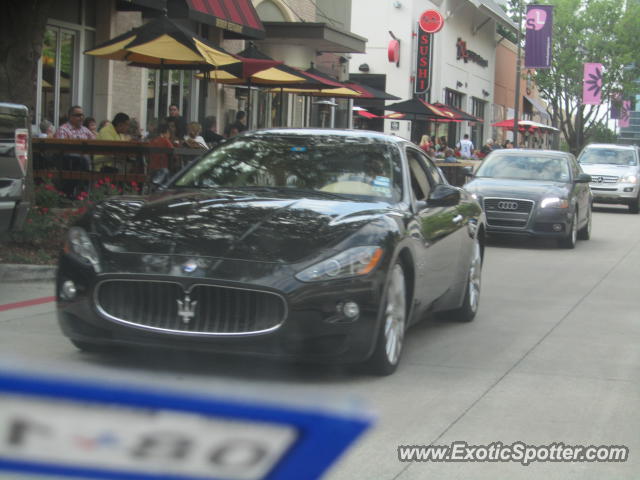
<point>193,139</point>
<point>425,143</point>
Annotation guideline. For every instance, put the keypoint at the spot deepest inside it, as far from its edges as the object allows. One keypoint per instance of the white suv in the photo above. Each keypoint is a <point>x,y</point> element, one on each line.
<point>615,173</point>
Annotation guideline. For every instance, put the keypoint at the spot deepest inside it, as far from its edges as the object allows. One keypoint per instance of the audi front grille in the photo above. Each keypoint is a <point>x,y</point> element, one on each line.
<point>508,212</point>
<point>200,310</point>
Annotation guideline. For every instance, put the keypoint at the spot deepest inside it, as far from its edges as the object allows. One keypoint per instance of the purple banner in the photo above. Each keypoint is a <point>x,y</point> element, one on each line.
<point>592,84</point>
<point>537,50</point>
<point>624,114</point>
<point>616,106</point>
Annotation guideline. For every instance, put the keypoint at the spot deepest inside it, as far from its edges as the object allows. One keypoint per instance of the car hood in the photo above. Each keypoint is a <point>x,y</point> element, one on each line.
<point>525,189</point>
<point>229,224</point>
<point>613,170</point>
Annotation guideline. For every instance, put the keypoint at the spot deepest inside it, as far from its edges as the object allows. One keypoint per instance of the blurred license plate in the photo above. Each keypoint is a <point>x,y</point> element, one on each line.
<point>62,433</point>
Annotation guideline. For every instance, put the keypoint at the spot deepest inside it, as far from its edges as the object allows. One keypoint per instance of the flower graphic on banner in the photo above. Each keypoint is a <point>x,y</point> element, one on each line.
<point>592,86</point>
<point>594,82</point>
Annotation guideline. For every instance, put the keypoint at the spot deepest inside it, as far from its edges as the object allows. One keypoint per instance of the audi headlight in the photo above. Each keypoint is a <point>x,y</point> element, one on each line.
<point>554,202</point>
<point>629,179</point>
<point>352,262</point>
<point>79,243</point>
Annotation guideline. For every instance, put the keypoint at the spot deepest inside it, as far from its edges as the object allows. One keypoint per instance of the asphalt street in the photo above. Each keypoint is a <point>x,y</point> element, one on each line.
<point>552,356</point>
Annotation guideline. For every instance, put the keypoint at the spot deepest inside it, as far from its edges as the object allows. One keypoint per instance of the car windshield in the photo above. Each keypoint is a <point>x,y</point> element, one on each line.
<point>525,167</point>
<point>335,165</point>
<point>608,156</point>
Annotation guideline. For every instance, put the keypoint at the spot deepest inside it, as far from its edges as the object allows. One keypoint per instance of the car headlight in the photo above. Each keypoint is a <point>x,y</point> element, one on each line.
<point>554,202</point>
<point>629,179</point>
<point>475,196</point>
<point>352,262</point>
<point>79,243</point>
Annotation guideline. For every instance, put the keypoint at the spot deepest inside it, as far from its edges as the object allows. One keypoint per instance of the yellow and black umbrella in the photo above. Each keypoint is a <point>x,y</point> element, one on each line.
<point>161,43</point>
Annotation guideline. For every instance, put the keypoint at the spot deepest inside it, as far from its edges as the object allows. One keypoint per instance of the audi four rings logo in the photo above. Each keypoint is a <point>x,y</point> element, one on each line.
<point>507,205</point>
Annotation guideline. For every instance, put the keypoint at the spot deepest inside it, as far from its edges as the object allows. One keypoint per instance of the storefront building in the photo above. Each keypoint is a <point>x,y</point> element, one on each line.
<point>463,60</point>
<point>103,88</point>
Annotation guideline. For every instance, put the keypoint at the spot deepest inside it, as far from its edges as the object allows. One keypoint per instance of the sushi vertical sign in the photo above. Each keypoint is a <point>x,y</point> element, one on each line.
<point>431,22</point>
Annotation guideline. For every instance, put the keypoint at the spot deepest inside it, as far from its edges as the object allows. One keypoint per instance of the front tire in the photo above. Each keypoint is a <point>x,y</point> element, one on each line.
<point>585,232</point>
<point>386,355</point>
<point>467,312</point>
<point>570,240</point>
<point>634,206</point>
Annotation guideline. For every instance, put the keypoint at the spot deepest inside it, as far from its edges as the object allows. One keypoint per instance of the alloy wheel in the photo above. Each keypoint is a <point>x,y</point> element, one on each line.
<point>475,276</point>
<point>395,315</point>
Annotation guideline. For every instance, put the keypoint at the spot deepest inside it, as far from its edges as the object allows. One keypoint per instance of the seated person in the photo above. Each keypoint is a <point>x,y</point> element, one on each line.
<point>117,130</point>
<point>163,139</point>
<point>193,139</point>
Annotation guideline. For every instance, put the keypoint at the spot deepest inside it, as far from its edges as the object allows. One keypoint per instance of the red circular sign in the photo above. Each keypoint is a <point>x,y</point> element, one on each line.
<point>431,21</point>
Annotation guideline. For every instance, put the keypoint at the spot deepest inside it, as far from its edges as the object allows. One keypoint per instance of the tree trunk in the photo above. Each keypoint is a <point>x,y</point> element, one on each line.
<point>22,26</point>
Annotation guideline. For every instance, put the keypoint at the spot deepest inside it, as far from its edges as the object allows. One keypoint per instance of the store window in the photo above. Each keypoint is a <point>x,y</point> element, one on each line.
<point>65,75</point>
<point>57,82</point>
<point>177,87</point>
<point>455,99</point>
<point>477,129</point>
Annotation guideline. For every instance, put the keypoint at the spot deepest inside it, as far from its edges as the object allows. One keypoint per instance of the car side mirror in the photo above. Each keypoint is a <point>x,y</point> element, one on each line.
<point>583,178</point>
<point>159,177</point>
<point>443,196</point>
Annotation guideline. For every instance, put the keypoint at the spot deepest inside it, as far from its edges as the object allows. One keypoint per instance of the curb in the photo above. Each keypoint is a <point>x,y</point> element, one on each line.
<point>14,272</point>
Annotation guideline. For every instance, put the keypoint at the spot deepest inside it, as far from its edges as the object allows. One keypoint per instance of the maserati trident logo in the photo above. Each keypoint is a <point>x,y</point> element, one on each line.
<point>503,205</point>
<point>186,308</point>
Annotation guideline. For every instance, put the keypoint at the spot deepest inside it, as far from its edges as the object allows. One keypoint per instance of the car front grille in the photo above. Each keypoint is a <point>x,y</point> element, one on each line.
<point>200,310</point>
<point>600,179</point>
<point>508,212</point>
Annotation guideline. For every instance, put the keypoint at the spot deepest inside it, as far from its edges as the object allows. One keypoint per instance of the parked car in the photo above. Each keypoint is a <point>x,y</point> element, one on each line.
<point>615,173</point>
<point>316,244</point>
<point>541,193</point>
<point>15,153</point>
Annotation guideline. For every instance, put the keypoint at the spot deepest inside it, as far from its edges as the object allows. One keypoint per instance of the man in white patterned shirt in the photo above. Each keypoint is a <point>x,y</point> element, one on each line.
<point>73,128</point>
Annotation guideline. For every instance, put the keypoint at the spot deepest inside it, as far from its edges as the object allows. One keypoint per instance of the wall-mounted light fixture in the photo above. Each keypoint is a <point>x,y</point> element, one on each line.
<point>397,4</point>
<point>458,84</point>
<point>485,93</point>
<point>364,67</point>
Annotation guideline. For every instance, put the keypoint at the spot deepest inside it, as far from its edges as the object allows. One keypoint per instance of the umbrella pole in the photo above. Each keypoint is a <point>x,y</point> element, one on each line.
<point>281,106</point>
<point>249,104</point>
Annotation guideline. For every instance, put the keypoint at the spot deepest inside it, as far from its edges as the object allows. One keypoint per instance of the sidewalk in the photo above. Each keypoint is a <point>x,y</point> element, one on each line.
<point>10,272</point>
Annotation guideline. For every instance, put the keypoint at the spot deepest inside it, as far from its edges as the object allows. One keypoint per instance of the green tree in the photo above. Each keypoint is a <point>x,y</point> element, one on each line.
<point>601,31</point>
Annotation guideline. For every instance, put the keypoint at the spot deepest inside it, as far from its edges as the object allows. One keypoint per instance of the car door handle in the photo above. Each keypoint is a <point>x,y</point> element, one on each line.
<point>457,219</point>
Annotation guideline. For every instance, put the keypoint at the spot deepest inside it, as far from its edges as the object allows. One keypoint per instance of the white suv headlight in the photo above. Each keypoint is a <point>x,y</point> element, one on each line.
<point>79,243</point>
<point>554,202</point>
<point>352,262</point>
<point>629,179</point>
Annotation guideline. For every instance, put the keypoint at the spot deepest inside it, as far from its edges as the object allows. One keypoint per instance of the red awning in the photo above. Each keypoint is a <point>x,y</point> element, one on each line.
<point>236,16</point>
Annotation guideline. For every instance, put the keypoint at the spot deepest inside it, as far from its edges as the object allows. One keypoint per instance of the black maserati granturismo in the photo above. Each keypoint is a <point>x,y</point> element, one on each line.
<point>316,244</point>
